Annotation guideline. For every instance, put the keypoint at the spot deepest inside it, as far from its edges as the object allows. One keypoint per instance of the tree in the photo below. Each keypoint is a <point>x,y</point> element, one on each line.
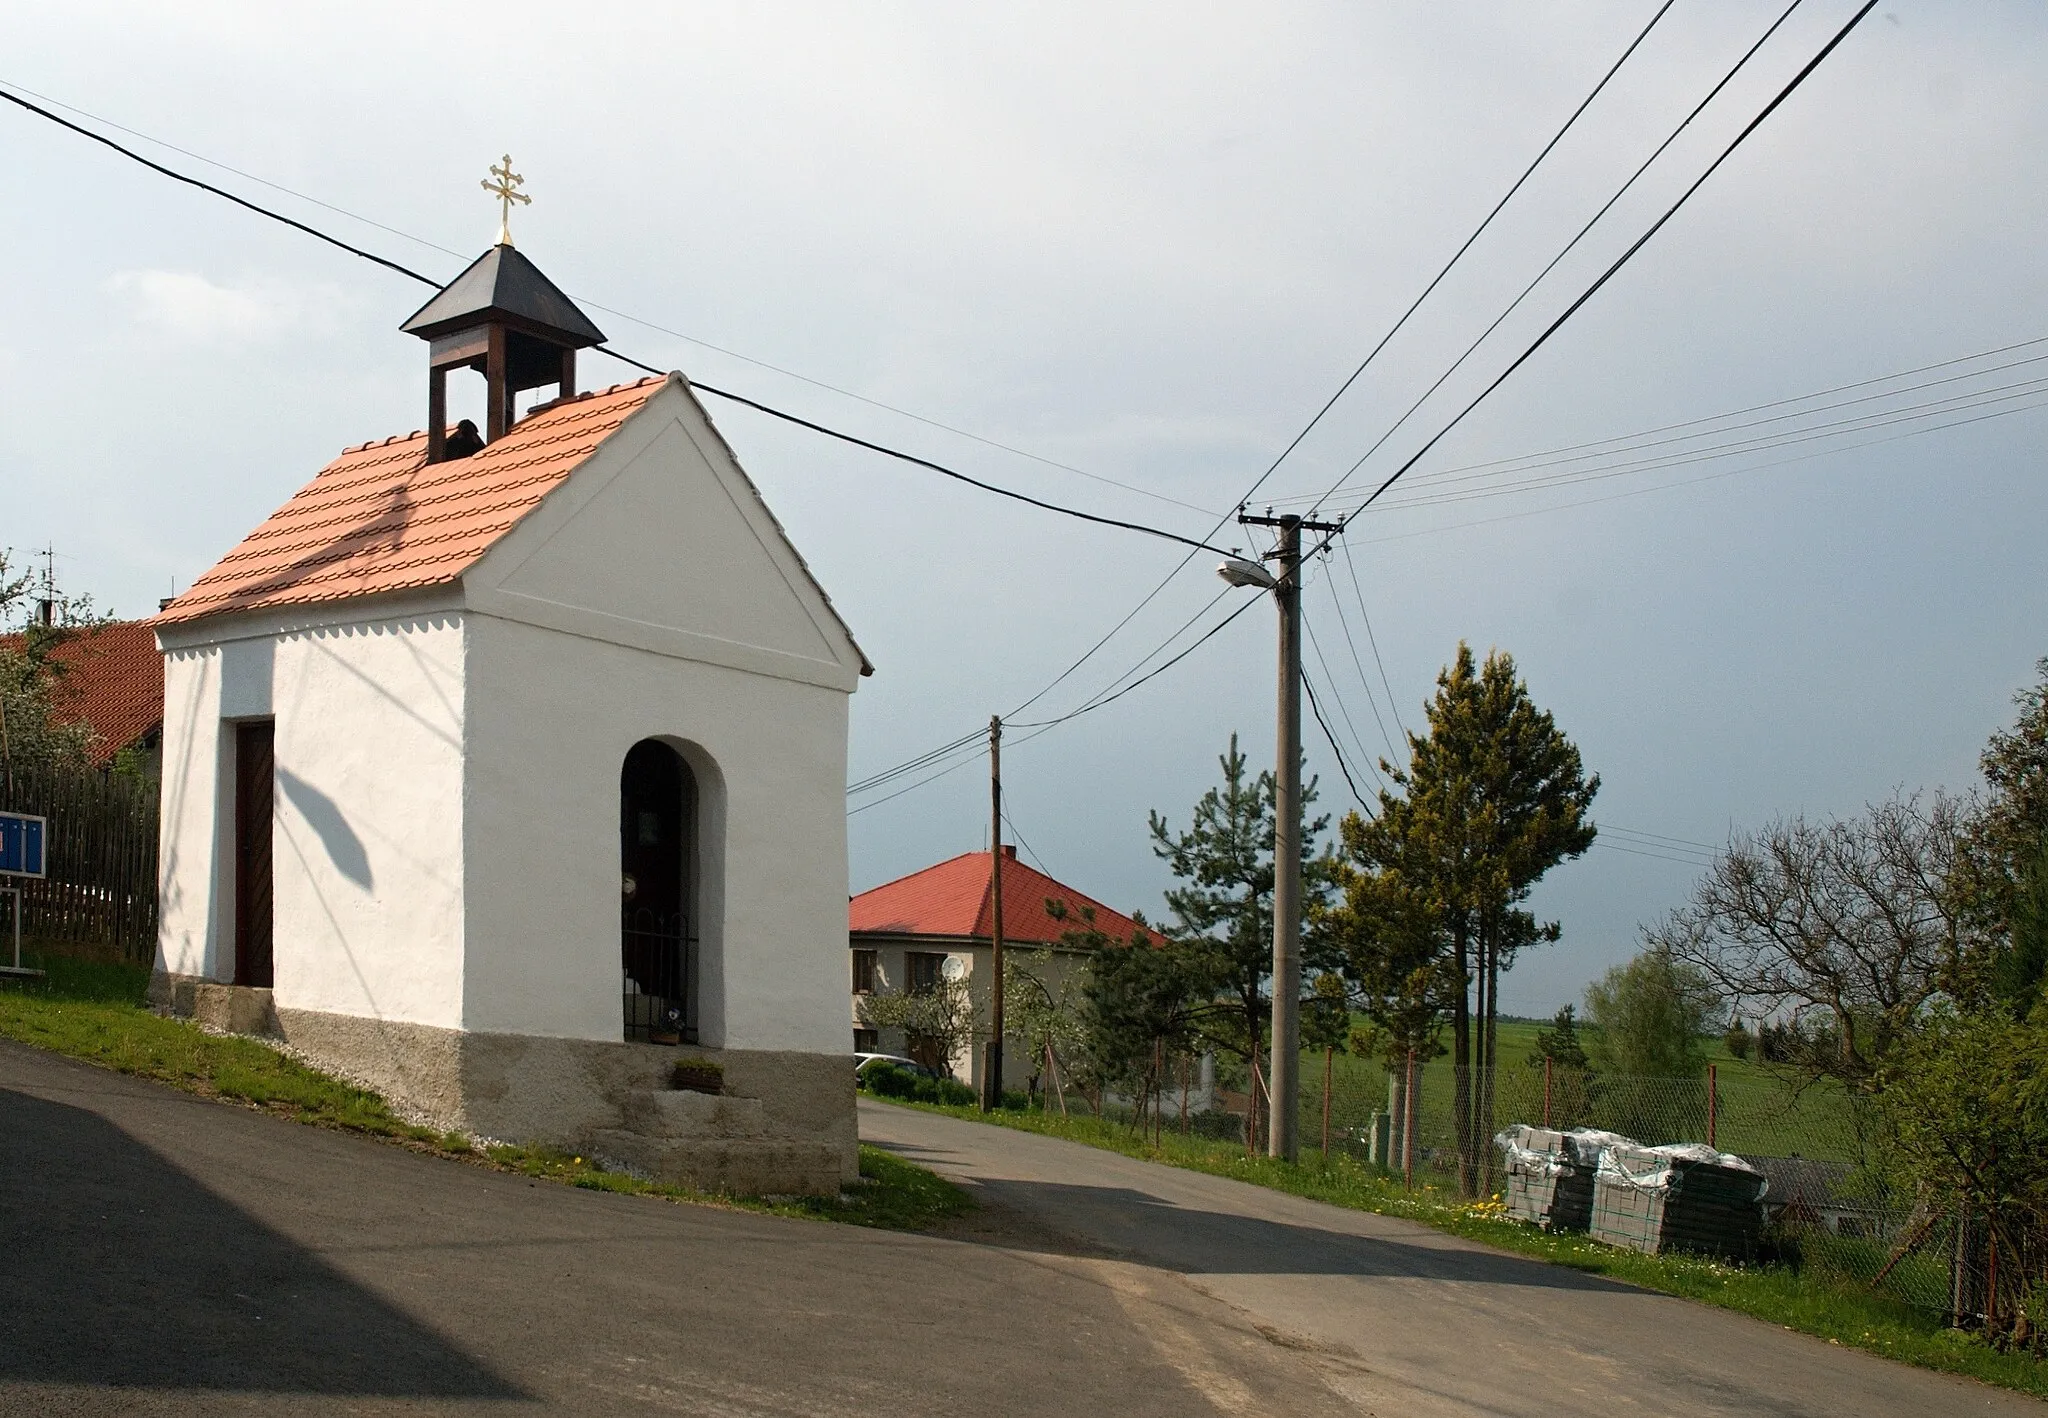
<point>1559,1044</point>
<point>1223,913</point>
<point>1652,1016</point>
<point>1845,929</point>
<point>1967,1100</point>
<point>1042,1011</point>
<point>1493,797</point>
<point>2007,831</point>
<point>938,1023</point>
<point>1393,955</point>
<point>31,676</point>
<point>1139,1007</point>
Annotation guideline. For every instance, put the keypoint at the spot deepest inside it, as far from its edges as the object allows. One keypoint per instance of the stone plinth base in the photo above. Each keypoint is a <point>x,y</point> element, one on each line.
<point>784,1123</point>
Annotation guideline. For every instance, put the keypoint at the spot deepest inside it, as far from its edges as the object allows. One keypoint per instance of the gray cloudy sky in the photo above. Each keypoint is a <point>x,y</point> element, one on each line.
<point>1146,241</point>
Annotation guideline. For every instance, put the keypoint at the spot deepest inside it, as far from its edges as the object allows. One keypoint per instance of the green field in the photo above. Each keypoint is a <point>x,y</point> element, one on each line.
<point>1756,1112</point>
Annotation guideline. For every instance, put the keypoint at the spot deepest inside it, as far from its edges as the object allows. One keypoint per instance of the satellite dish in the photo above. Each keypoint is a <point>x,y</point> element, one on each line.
<point>954,968</point>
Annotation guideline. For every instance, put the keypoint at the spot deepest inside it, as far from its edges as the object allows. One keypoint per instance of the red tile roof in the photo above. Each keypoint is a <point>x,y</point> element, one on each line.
<point>380,518</point>
<point>952,899</point>
<point>112,679</point>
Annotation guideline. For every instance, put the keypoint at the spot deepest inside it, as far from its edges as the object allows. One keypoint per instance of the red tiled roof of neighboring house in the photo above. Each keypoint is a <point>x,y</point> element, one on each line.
<point>112,678</point>
<point>381,518</point>
<point>952,899</point>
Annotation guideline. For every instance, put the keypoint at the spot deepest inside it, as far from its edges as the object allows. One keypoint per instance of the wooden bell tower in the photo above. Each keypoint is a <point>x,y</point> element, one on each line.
<point>507,321</point>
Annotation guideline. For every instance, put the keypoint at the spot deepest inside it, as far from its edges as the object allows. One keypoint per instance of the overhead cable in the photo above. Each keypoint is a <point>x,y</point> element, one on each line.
<point>1626,256</point>
<point>640,320</point>
<point>726,394</point>
<point>1568,248</point>
<point>1371,355</point>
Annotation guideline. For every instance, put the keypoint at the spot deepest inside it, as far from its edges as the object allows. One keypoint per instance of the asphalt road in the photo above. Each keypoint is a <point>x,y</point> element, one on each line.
<point>164,1254</point>
<point>1399,1319</point>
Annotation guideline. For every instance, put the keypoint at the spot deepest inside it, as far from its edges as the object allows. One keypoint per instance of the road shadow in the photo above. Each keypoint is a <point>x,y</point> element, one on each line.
<point>1068,1219</point>
<point>119,1270</point>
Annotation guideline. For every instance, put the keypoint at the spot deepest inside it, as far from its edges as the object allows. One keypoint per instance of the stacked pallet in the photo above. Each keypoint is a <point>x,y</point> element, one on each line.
<point>1684,1197</point>
<point>1550,1174</point>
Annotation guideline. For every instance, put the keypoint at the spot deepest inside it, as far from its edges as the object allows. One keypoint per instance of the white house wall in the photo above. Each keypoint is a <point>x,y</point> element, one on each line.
<point>366,842</point>
<point>552,716</point>
<point>195,920</point>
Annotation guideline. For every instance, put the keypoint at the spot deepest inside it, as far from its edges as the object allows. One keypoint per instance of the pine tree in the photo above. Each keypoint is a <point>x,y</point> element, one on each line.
<point>1223,911</point>
<point>1560,1042</point>
<point>1493,797</point>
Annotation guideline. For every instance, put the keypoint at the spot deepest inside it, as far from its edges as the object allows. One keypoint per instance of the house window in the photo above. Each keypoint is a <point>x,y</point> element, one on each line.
<point>925,970</point>
<point>865,969</point>
<point>867,1041</point>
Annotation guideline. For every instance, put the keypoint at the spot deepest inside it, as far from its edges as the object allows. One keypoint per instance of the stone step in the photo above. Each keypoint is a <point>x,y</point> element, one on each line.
<point>675,1113</point>
<point>752,1166</point>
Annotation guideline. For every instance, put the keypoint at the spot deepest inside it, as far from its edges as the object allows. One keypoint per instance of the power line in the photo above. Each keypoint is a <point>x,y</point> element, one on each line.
<point>177,176</point>
<point>1569,247</point>
<point>1373,354</point>
<point>1393,705</point>
<point>1781,403</point>
<point>886,775</point>
<point>1837,428</point>
<point>1612,447</point>
<point>1622,260</point>
<point>1011,823</point>
<point>755,404</point>
<point>1343,709</point>
<point>1100,701</point>
<point>1705,478</point>
<point>1459,254</point>
<point>912,765</point>
<point>1317,708</point>
<point>1351,642</point>
<point>641,320</point>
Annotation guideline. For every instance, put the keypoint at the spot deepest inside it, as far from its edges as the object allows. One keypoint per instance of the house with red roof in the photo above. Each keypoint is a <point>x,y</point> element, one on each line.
<point>506,767</point>
<point>111,679</point>
<point>938,924</point>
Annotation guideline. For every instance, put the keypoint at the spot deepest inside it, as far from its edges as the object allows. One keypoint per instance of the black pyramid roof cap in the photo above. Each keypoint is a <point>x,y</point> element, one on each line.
<point>501,283</point>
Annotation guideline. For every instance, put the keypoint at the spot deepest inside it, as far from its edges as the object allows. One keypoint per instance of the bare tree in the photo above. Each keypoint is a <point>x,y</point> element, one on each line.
<point>1847,928</point>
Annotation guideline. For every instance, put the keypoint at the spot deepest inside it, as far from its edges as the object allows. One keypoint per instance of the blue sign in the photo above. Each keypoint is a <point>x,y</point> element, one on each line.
<point>21,844</point>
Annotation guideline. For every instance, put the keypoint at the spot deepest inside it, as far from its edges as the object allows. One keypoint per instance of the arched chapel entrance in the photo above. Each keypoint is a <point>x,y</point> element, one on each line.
<point>657,861</point>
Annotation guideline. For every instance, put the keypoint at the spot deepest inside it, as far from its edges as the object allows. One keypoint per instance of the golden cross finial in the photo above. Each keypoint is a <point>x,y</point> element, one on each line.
<point>506,190</point>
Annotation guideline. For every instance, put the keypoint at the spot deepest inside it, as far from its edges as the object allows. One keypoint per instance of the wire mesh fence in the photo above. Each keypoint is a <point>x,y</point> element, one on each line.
<point>1833,1202</point>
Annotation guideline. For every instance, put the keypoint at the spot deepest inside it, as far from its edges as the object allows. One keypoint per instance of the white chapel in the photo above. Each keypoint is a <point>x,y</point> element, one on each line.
<point>504,772</point>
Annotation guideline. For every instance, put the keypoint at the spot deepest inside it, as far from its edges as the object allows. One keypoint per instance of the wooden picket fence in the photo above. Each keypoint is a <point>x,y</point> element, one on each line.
<point>101,887</point>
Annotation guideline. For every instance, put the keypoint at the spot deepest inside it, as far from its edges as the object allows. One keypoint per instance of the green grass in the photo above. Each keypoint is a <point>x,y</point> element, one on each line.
<point>1841,1314</point>
<point>1759,1113</point>
<point>94,1011</point>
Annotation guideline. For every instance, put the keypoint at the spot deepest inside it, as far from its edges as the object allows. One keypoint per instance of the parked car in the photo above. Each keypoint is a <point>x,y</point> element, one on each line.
<point>863,1062</point>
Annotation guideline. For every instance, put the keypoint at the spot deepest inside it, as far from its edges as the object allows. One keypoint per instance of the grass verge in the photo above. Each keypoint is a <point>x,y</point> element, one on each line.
<point>1841,1314</point>
<point>95,1011</point>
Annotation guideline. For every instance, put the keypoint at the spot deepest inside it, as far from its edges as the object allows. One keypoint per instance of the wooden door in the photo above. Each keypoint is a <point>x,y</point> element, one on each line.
<point>255,776</point>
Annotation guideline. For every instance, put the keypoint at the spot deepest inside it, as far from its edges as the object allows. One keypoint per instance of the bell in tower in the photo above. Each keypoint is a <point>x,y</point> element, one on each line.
<point>504,319</point>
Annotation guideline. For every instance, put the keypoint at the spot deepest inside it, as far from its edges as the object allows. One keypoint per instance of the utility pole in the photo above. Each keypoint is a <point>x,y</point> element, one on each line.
<point>992,1056</point>
<point>1284,1076</point>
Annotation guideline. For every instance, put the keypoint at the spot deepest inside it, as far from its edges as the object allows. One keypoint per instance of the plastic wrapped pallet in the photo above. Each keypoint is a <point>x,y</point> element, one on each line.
<point>1684,1197</point>
<point>1550,1174</point>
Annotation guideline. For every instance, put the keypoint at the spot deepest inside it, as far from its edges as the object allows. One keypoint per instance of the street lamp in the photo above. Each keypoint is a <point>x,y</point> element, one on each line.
<point>1239,572</point>
<point>1283,1084</point>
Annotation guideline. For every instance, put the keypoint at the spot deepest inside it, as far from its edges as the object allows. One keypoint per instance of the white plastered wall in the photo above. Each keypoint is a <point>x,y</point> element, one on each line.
<point>653,596</point>
<point>551,719</point>
<point>367,833</point>
<point>195,881</point>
